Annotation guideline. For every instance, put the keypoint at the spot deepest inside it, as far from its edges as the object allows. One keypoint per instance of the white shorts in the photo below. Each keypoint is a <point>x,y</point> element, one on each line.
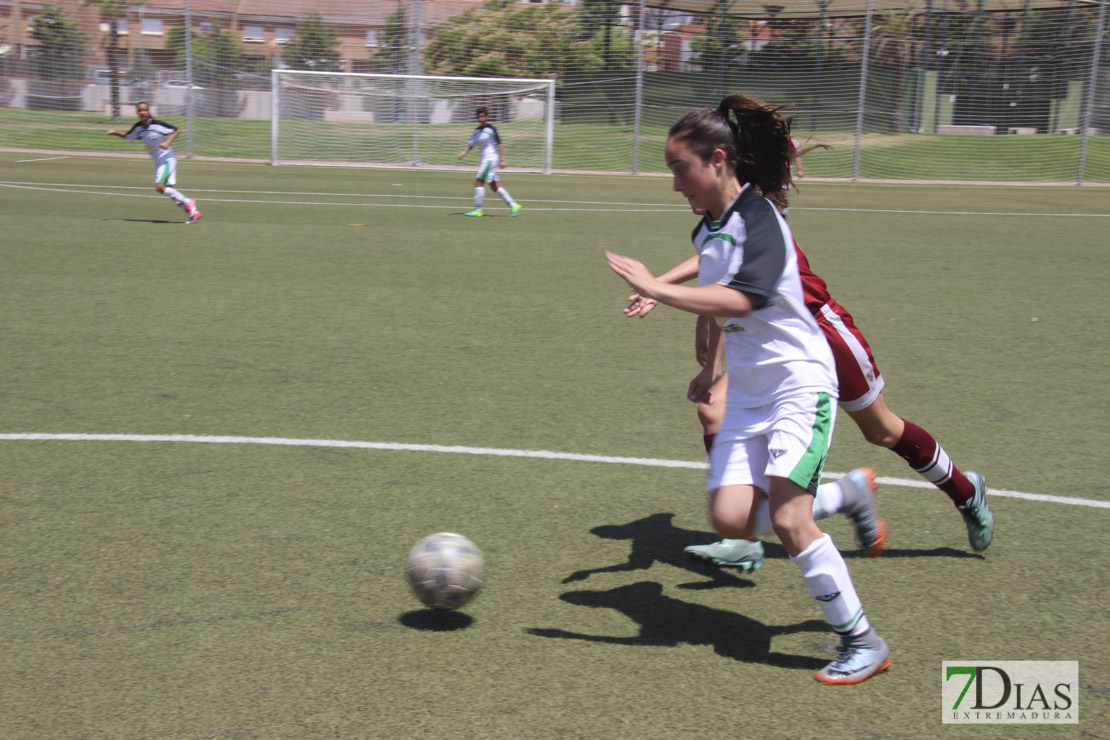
<point>166,173</point>
<point>788,439</point>
<point>487,172</point>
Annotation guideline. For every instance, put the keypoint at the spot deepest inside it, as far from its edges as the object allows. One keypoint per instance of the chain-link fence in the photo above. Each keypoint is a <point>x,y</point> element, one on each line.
<point>988,90</point>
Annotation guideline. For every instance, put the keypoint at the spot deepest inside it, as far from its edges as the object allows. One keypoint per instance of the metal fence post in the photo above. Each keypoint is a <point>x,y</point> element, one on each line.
<point>862,89</point>
<point>1092,87</point>
<point>188,81</point>
<point>639,104</point>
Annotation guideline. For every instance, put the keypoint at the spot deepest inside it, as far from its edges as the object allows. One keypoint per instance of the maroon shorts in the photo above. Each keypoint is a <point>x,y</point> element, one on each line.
<point>856,371</point>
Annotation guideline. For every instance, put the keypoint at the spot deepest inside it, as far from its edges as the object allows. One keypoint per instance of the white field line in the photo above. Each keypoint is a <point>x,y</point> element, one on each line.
<point>603,206</point>
<point>644,209</point>
<point>491,451</point>
<point>39,159</point>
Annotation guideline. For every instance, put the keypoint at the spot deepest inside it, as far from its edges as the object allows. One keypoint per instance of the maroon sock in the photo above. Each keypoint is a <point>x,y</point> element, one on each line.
<point>931,462</point>
<point>708,439</point>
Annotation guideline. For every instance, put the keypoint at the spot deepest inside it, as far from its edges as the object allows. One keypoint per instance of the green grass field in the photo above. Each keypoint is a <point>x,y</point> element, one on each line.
<point>226,589</point>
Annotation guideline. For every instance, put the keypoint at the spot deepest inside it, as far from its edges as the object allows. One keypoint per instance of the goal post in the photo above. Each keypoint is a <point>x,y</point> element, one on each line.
<point>388,120</point>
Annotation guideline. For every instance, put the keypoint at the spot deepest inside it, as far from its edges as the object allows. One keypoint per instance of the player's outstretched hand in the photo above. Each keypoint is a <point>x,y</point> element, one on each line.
<point>633,271</point>
<point>639,306</point>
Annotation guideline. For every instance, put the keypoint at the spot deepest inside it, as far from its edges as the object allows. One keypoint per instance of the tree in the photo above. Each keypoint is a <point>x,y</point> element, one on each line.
<point>61,44</point>
<point>316,46</point>
<point>216,56</point>
<point>506,39</point>
<point>111,11</point>
<point>893,35</point>
<point>719,47</point>
<point>390,56</point>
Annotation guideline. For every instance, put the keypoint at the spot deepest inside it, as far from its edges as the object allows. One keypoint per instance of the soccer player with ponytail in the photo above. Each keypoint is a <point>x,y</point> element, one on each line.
<point>861,397</point>
<point>767,458</point>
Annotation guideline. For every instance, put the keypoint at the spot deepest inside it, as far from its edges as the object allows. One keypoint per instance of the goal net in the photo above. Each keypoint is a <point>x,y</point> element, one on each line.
<point>405,120</point>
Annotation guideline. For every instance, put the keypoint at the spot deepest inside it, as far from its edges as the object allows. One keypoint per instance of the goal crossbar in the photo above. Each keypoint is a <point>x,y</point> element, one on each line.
<point>377,119</point>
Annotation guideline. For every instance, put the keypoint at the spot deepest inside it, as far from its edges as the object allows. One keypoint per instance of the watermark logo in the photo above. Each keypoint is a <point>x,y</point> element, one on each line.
<point>1012,692</point>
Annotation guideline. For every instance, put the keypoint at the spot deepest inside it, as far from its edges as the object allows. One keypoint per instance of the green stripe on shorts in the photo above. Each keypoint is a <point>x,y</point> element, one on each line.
<point>807,473</point>
<point>485,171</point>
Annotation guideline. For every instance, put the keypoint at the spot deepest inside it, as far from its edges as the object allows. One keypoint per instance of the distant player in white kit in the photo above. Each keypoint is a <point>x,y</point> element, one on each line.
<point>485,138</point>
<point>158,136</point>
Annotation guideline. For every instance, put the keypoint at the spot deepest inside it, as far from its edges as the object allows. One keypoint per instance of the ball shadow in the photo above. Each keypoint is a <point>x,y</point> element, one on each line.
<point>436,620</point>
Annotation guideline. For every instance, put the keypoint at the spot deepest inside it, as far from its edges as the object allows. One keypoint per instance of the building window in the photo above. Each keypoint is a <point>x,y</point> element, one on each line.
<point>371,37</point>
<point>254,34</point>
<point>283,35</point>
<point>207,27</point>
<point>123,27</point>
<point>152,27</point>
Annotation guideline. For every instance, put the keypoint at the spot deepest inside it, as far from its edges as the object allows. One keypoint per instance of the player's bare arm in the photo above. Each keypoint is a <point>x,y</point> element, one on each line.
<point>641,306</point>
<point>711,300</point>
<point>169,139</point>
<point>701,387</point>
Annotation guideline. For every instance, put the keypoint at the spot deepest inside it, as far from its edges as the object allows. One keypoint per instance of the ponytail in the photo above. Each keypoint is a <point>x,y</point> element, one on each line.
<point>754,136</point>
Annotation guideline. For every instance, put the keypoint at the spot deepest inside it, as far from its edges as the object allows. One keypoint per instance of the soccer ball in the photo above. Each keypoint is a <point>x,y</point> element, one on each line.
<point>445,570</point>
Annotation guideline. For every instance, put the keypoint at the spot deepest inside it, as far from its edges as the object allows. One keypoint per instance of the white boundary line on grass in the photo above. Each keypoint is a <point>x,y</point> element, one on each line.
<point>491,451</point>
<point>605,206</point>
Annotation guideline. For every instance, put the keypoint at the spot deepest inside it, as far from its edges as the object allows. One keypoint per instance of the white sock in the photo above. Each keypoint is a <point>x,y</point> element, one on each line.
<point>479,197</point>
<point>827,580</point>
<point>506,197</point>
<point>177,196</point>
<point>828,501</point>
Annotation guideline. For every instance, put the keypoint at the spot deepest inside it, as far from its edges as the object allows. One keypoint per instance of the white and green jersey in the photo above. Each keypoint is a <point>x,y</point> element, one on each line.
<point>152,135</point>
<point>486,141</point>
<point>777,350</point>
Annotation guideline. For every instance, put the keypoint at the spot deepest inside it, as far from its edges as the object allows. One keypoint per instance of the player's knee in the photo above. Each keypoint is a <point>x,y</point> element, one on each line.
<point>730,528</point>
<point>160,188</point>
<point>882,437</point>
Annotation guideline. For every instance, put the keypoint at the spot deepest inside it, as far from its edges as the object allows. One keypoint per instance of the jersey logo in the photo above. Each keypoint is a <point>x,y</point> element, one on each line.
<point>776,454</point>
<point>732,328</point>
<point>827,597</point>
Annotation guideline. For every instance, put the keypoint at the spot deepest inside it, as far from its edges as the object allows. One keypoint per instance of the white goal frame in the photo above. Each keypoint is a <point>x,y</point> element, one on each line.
<point>413,86</point>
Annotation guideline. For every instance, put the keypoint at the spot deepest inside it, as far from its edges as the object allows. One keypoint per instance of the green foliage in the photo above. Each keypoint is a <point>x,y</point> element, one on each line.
<point>315,47</point>
<point>390,56</point>
<point>216,56</point>
<point>719,46</point>
<point>510,40</point>
<point>112,11</point>
<point>61,44</point>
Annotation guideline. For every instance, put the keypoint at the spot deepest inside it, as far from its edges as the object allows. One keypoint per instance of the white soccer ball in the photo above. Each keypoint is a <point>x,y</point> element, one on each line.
<point>445,570</point>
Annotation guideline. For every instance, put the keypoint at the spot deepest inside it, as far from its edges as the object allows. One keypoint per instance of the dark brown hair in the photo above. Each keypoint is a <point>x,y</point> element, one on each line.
<point>754,136</point>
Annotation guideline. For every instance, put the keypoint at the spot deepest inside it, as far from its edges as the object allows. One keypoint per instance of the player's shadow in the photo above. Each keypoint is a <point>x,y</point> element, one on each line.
<point>669,622</point>
<point>143,220</point>
<point>436,620</point>
<point>655,539</point>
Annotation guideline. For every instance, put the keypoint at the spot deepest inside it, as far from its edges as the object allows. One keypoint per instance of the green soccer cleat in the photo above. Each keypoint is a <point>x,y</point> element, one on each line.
<point>476,213</point>
<point>743,554</point>
<point>514,210</point>
<point>977,514</point>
